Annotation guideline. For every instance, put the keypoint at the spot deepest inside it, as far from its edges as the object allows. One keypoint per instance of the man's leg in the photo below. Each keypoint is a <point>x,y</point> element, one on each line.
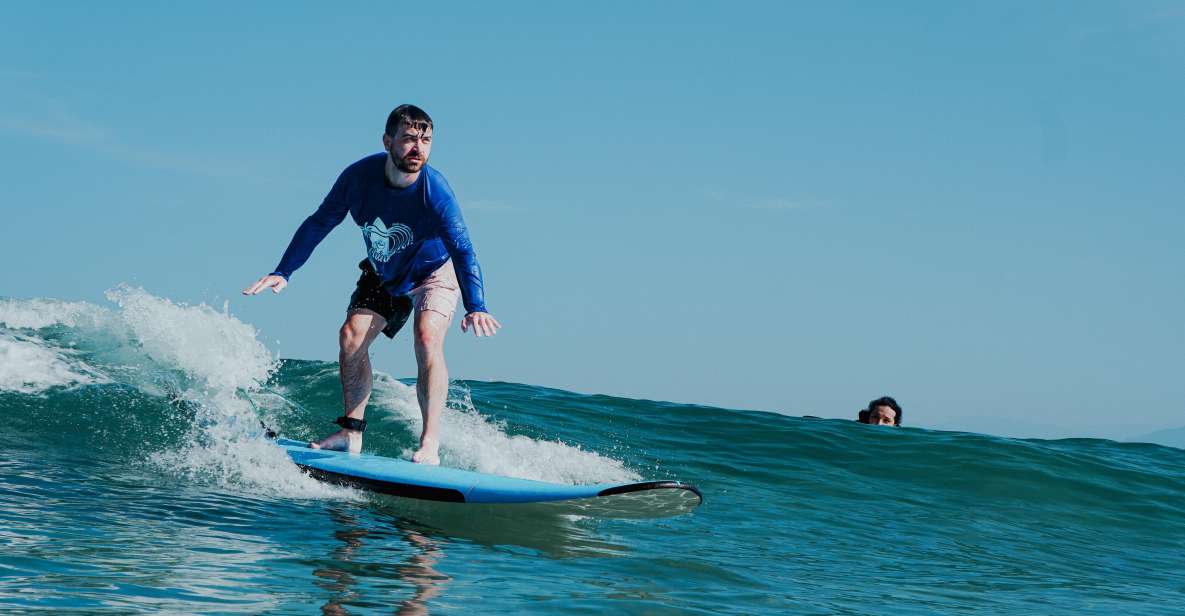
<point>431,381</point>
<point>359,330</point>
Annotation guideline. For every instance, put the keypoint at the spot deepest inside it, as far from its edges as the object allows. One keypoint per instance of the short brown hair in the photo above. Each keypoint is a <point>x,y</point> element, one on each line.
<point>409,115</point>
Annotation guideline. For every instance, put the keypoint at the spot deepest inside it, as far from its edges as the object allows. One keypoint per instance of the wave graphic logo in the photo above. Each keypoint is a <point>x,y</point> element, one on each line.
<point>382,242</point>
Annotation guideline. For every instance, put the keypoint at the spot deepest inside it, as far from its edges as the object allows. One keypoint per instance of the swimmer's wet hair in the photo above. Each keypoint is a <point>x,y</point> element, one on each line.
<point>408,115</point>
<point>885,401</point>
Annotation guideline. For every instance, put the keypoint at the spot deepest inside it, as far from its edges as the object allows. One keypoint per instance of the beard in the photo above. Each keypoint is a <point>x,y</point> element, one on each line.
<point>408,164</point>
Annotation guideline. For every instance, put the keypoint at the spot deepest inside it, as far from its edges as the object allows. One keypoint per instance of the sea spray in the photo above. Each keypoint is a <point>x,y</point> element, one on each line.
<point>30,366</point>
<point>201,362</point>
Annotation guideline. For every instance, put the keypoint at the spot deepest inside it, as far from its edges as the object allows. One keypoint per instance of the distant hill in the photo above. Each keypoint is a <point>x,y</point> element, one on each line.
<point>1173,437</point>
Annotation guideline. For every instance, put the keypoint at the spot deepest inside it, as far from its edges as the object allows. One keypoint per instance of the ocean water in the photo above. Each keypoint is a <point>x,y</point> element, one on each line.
<point>134,478</point>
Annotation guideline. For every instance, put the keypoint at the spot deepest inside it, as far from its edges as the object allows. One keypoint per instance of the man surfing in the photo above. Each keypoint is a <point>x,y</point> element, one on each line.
<point>419,260</point>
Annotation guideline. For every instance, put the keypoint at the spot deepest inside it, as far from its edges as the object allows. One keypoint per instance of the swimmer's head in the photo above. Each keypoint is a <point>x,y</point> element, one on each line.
<point>883,411</point>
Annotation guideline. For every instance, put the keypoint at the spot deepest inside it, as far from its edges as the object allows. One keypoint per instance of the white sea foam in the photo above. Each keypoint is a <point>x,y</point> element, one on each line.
<point>205,344</point>
<point>221,361</point>
<point>41,313</point>
<point>197,354</point>
<point>32,366</point>
<point>472,441</point>
<point>235,463</point>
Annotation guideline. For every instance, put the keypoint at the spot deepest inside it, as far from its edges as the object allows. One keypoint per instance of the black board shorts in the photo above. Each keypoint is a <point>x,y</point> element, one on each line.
<point>371,295</point>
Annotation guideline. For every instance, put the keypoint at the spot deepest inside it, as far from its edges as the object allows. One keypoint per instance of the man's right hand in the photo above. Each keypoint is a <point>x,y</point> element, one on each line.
<point>275,283</point>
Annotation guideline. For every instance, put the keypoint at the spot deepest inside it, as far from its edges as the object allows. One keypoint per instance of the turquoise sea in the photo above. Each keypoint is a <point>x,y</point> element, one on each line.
<point>134,478</point>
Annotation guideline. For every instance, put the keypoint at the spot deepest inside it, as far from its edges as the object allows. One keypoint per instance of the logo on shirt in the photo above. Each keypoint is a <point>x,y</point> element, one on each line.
<point>382,242</point>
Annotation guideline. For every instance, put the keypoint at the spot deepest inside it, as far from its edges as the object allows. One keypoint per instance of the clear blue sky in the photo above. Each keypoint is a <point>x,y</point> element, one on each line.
<point>975,207</point>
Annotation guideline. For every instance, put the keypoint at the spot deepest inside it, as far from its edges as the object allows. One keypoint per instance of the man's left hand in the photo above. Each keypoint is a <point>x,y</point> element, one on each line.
<point>483,324</point>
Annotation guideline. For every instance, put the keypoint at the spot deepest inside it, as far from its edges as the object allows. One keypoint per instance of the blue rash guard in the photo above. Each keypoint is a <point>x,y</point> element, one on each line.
<point>409,232</point>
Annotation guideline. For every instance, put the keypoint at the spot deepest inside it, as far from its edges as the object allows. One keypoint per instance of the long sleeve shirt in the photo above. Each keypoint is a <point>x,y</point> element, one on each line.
<point>408,232</point>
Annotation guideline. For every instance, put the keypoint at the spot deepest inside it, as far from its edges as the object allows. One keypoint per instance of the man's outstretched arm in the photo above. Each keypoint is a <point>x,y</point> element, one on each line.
<point>310,233</point>
<point>455,235</point>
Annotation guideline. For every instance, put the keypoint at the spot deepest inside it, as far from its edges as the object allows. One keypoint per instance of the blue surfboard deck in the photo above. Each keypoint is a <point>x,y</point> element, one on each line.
<point>408,479</point>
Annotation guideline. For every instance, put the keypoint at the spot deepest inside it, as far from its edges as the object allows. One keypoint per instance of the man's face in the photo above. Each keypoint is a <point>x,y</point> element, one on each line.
<point>409,148</point>
<point>882,416</point>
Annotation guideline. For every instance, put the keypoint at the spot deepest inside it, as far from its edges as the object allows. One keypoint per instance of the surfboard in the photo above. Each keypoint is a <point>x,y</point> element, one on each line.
<point>436,483</point>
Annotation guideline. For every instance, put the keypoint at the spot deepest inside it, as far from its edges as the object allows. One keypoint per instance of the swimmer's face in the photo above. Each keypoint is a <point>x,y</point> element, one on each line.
<point>882,416</point>
<point>410,147</point>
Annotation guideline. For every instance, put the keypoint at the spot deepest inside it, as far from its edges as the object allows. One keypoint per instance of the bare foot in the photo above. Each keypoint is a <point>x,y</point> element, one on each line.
<point>429,452</point>
<point>342,440</point>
